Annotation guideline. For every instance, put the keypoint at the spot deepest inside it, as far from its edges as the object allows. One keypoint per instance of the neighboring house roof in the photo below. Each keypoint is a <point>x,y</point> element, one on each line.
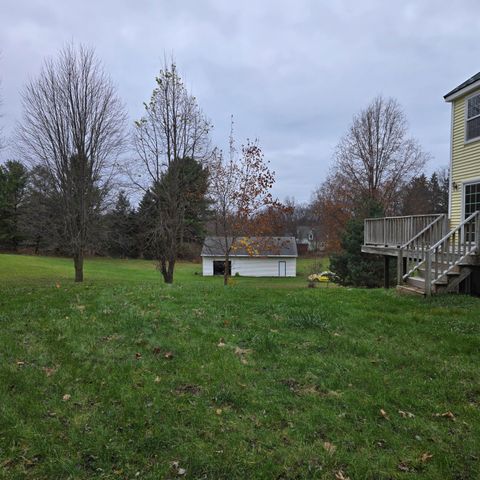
<point>468,85</point>
<point>303,232</point>
<point>250,247</point>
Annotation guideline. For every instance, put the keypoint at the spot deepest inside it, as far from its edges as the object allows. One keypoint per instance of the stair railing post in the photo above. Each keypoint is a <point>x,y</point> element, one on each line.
<point>428,273</point>
<point>400,272</point>
<point>477,233</point>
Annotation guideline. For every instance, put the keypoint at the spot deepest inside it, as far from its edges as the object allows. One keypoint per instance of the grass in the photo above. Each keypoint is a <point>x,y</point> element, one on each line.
<point>124,377</point>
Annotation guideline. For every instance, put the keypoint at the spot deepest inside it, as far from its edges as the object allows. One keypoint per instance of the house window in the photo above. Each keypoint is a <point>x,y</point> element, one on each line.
<point>471,205</point>
<point>473,118</point>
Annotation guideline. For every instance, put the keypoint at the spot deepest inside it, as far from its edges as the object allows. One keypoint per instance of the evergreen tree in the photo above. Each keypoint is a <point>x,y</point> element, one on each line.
<point>13,181</point>
<point>121,226</point>
<point>41,223</point>
<point>146,218</point>
<point>353,267</point>
<point>185,178</point>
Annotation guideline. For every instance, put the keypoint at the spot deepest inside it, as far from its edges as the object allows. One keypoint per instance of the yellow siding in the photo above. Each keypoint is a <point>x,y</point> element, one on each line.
<point>465,160</point>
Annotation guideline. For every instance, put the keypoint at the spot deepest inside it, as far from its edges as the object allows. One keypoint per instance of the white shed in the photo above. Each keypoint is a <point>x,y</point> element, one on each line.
<point>251,256</point>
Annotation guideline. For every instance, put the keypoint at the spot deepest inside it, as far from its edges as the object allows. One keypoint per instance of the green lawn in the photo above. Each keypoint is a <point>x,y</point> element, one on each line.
<point>124,377</point>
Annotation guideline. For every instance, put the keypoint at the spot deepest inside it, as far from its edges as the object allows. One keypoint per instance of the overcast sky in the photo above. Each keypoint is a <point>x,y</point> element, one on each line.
<point>291,72</point>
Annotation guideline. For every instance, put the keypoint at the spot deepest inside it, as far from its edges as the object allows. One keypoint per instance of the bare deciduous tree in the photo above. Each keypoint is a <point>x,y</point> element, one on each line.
<point>73,125</point>
<point>172,130</point>
<point>376,157</point>
<point>240,189</point>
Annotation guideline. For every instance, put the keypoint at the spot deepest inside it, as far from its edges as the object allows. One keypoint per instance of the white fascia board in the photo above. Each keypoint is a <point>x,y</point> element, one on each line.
<point>463,91</point>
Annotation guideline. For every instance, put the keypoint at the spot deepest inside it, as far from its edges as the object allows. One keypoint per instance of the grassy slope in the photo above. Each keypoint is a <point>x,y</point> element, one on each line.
<point>318,367</point>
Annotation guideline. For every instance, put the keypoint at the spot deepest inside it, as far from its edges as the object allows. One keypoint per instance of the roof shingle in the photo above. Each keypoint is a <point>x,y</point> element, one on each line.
<point>463,85</point>
<point>251,247</point>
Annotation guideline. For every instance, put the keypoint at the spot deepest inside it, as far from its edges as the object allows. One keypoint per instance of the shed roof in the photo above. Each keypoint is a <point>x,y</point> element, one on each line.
<point>250,247</point>
<point>464,85</point>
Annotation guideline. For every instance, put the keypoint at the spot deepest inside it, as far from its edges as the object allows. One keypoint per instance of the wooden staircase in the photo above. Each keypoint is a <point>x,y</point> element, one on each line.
<point>427,267</point>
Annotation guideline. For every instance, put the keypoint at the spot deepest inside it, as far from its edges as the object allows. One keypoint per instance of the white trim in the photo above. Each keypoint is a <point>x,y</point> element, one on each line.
<point>248,256</point>
<point>450,190</point>
<point>466,119</point>
<point>464,184</point>
<point>463,91</point>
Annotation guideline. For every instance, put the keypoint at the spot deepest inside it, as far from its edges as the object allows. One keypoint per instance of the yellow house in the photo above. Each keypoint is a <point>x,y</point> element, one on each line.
<point>465,150</point>
<point>441,252</point>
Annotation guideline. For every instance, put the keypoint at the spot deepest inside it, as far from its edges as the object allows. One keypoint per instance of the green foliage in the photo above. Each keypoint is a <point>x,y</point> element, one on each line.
<point>351,266</point>
<point>182,187</point>
<point>13,181</point>
<point>424,195</point>
<point>265,411</point>
<point>121,225</point>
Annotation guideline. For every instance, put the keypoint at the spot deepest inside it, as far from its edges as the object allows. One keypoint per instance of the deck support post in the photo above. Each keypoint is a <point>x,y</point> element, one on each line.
<point>428,273</point>
<point>400,267</point>
<point>386,271</point>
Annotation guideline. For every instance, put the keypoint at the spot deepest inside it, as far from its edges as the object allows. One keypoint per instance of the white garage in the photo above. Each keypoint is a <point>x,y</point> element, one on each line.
<point>251,256</point>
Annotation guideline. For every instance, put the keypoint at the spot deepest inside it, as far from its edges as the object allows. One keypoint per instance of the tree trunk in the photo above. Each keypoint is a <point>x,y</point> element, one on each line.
<point>225,270</point>
<point>78,262</point>
<point>167,267</point>
<point>170,269</point>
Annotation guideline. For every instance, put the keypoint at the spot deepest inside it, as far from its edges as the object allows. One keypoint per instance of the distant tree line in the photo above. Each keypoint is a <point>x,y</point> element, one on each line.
<point>31,219</point>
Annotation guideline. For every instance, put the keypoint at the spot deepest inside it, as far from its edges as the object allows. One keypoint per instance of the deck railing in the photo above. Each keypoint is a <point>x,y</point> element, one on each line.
<point>451,250</point>
<point>396,231</point>
<point>412,254</point>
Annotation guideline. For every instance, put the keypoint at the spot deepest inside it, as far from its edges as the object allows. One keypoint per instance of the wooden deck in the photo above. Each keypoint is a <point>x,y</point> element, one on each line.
<point>430,257</point>
<point>392,232</point>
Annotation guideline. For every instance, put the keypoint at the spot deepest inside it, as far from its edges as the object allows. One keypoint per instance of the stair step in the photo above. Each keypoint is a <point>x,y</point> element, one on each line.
<point>410,290</point>
<point>417,282</point>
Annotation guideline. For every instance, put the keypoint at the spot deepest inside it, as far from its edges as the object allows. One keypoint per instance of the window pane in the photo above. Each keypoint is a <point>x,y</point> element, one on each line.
<point>473,128</point>
<point>473,106</point>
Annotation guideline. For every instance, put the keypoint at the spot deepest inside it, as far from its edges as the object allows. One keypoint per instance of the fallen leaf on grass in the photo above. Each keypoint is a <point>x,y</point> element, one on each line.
<point>341,476</point>
<point>218,411</point>
<point>329,447</point>
<point>179,470</point>
<point>221,343</point>
<point>406,414</point>
<point>66,397</point>
<point>242,353</point>
<point>448,415</point>
<point>384,414</point>
<point>9,462</point>
<point>188,389</point>
<point>425,457</point>
<point>157,379</point>
<point>168,355</point>
<point>49,371</point>
<point>20,363</point>
<point>138,355</point>
<point>57,285</point>
<point>403,467</point>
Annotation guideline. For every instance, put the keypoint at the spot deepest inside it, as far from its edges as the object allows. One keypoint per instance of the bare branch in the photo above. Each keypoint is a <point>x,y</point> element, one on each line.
<point>73,125</point>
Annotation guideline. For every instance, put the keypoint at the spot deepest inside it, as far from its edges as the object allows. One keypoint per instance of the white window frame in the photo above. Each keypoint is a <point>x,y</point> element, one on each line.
<point>477,138</point>
<point>466,183</point>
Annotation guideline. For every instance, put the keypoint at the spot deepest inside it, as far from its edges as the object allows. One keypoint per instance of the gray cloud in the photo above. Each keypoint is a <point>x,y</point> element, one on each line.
<point>291,72</point>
